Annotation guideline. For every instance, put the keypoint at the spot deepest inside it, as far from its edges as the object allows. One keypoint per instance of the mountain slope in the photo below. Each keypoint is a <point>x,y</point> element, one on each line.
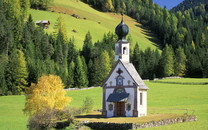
<point>92,20</point>
<point>187,4</point>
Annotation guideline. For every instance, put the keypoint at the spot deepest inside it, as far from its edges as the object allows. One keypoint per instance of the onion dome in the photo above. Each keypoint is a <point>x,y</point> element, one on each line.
<point>122,30</point>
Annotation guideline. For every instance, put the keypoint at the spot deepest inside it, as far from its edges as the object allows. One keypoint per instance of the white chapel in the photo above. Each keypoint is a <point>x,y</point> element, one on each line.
<point>124,92</point>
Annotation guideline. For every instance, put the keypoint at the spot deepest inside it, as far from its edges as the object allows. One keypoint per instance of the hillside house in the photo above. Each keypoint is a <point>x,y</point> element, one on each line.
<point>124,92</point>
<point>45,23</point>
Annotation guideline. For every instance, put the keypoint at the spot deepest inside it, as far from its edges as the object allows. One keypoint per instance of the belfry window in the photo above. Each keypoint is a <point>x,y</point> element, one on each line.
<point>125,51</point>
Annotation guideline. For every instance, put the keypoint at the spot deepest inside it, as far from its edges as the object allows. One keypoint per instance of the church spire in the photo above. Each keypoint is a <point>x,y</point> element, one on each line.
<point>122,45</point>
<point>122,30</point>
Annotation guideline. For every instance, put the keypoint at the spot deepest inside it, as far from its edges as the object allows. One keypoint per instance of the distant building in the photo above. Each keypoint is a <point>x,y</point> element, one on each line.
<point>124,92</point>
<point>45,23</point>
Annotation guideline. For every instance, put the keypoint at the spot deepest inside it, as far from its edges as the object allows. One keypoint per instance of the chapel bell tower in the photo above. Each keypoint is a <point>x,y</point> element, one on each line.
<point>122,45</point>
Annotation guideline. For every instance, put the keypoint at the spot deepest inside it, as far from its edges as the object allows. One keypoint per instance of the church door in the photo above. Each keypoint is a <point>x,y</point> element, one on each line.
<point>120,109</point>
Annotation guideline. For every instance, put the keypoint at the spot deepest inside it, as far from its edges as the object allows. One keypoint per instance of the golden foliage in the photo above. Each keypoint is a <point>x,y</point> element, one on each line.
<point>61,27</point>
<point>47,93</point>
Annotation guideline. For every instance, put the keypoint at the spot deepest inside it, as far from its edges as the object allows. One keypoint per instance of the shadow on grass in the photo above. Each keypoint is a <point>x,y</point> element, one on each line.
<point>89,116</point>
<point>150,36</point>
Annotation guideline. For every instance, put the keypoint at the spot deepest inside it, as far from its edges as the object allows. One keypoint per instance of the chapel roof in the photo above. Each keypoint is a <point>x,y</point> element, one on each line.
<point>134,74</point>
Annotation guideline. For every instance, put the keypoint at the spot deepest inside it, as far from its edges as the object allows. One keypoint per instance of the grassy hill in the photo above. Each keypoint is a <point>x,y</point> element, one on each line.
<point>92,20</point>
<point>160,95</point>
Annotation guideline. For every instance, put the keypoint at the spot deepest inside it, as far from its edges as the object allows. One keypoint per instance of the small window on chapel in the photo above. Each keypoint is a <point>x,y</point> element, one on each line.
<point>119,81</point>
<point>141,100</point>
<point>110,107</point>
<point>128,107</point>
<point>125,50</point>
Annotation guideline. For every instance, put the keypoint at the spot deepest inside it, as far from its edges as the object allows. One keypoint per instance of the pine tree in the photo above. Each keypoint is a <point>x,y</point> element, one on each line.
<point>180,62</point>
<point>105,64</point>
<point>17,73</point>
<point>80,78</point>
<point>96,76</point>
<point>85,70</point>
<point>167,61</point>
<point>87,47</point>
<point>206,66</point>
<point>3,85</point>
<point>25,6</point>
<point>70,78</point>
<point>90,72</point>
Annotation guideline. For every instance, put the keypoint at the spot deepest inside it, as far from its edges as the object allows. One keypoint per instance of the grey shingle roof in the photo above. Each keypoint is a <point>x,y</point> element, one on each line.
<point>135,76</point>
<point>118,97</point>
<point>42,21</point>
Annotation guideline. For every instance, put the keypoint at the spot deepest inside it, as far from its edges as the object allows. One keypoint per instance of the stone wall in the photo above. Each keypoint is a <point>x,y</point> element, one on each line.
<point>125,126</point>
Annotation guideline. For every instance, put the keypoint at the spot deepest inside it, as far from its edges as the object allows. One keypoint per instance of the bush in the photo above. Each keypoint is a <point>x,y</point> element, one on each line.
<point>87,105</point>
<point>48,118</point>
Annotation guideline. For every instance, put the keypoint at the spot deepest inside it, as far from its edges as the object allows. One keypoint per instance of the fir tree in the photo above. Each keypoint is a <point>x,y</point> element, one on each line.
<point>70,78</point>
<point>180,62</point>
<point>105,64</point>
<point>87,47</point>
<point>17,73</point>
<point>3,85</point>
<point>167,61</point>
<point>90,73</point>
<point>80,78</point>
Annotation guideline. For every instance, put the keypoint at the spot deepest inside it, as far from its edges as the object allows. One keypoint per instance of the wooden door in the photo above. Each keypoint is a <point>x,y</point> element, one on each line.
<point>120,109</point>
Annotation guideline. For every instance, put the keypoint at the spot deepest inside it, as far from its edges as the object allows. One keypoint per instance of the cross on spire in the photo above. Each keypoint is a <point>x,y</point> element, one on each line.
<point>122,14</point>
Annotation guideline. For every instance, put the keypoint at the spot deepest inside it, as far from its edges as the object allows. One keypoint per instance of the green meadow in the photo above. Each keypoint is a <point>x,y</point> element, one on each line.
<point>91,20</point>
<point>161,95</point>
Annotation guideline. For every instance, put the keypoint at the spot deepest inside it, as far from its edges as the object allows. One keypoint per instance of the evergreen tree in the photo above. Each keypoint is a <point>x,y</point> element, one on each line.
<point>167,61</point>
<point>206,66</point>
<point>180,62</point>
<point>87,47</point>
<point>85,70</point>
<point>96,75</point>
<point>105,65</point>
<point>80,78</point>
<point>17,73</point>
<point>90,73</point>
<point>60,29</point>
<point>70,78</point>
<point>3,85</point>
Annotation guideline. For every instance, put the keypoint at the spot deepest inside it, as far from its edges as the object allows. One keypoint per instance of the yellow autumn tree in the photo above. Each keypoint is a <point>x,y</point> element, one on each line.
<point>48,93</point>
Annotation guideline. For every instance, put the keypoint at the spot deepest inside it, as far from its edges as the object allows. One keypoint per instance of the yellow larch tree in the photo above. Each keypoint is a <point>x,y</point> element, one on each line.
<point>48,93</point>
<point>60,27</point>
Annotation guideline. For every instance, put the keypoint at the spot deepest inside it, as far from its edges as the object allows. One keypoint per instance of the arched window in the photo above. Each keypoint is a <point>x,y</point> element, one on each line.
<point>119,81</point>
<point>125,51</point>
<point>120,90</point>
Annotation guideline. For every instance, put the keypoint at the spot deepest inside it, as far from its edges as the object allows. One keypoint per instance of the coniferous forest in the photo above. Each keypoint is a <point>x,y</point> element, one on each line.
<point>27,52</point>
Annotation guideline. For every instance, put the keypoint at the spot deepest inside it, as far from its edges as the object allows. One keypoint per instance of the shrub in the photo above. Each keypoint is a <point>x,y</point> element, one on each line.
<point>87,105</point>
<point>48,118</point>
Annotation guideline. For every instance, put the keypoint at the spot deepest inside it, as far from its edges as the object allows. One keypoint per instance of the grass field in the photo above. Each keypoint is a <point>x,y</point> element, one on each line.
<point>96,22</point>
<point>160,95</point>
<point>185,80</point>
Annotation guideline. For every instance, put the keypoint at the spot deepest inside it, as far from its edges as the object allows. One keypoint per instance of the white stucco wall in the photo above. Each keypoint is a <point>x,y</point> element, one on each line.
<point>108,92</point>
<point>142,108</point>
